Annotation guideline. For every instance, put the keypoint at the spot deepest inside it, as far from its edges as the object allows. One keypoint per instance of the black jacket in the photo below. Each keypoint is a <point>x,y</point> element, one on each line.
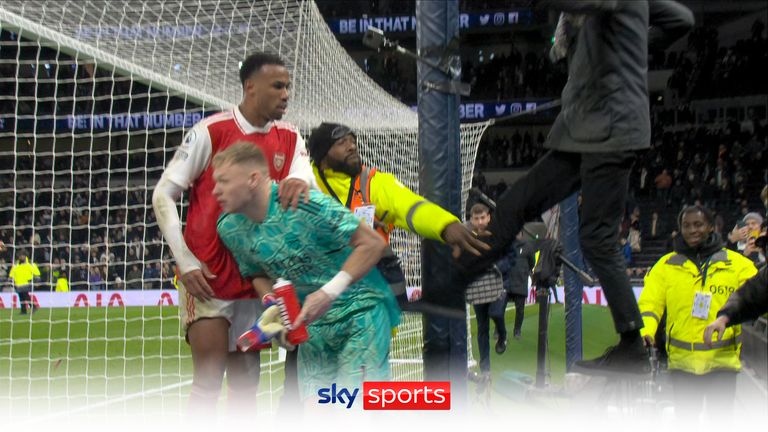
<point>605,101</point>
<point>749,301</point>
<point>547,268</point>
<point>517,271</point>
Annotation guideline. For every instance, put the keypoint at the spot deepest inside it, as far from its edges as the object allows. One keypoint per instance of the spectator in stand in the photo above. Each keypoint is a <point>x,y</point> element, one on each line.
<point>634,238</point>
<point>720,225</point>
<point>709,193</point>
<point>663,182</point>
<point>152,276</point>
<point>726,191</point>
<point>748,227</point>
<point>626,250</point>
<point>133,278</point>
<point>657,228</point>
<point>753,252</point>
<point>3,275</point>
<point>678,194</point>
<point>669,247</point>
<point>643,181</point>
<point>95,280</point>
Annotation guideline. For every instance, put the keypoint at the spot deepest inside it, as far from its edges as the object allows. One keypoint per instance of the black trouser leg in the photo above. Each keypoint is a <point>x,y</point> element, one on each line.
<point>501,327</point>
<point>24,301</point>
<point>519,312</point>
<point>553,178</point>
<point>483,335</point>
<point>497,311</point>
<point>604,182</point>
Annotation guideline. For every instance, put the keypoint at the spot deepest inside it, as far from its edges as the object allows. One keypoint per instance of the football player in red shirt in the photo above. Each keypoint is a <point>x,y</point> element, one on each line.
<point>216,303</point>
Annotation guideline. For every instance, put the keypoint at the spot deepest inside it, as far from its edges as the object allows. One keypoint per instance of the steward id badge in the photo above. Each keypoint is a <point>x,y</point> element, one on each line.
<point>701,302</point>
<point>366,214</point>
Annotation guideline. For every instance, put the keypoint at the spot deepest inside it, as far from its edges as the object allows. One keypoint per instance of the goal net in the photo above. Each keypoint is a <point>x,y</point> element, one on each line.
<point>95,96</point>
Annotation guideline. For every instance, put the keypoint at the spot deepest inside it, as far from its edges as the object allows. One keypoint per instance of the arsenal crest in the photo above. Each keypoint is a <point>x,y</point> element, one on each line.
<point>278,160</point>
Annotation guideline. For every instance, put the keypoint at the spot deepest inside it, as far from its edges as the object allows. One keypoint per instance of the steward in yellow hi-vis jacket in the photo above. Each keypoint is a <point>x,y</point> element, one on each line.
<point>376,197</point>
<point>24,273</point>
<point>677,282</point>
<point>693,283</point>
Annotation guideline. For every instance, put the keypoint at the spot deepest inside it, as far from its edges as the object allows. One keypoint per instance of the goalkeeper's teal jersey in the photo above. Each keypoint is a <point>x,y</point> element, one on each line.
<point>307,246</point>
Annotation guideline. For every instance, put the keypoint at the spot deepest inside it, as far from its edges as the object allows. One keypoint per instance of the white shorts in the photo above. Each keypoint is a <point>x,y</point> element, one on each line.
<point>241,314</point>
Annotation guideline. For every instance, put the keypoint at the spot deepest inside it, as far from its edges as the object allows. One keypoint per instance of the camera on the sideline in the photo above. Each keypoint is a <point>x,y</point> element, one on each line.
<point>374,38</point>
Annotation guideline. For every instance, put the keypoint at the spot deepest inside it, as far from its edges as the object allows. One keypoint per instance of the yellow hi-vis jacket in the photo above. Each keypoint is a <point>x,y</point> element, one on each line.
<point>22,273</point>
<point>395,203</point>
<point>62,284</point>
<point>673,283</point>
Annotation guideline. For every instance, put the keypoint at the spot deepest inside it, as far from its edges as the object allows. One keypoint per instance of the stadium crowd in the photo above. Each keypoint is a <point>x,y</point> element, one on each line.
<point>83,228</point>
<point>493,77</point>
<point>511,150</point>
<point>705,69</point>
<point>78,223</point>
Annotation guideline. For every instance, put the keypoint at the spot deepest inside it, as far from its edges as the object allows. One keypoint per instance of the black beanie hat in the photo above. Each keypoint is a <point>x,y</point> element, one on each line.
<point>323,137</point>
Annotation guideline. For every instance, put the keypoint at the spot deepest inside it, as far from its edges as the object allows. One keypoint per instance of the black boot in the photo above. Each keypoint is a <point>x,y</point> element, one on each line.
<point>501,345</point>
<point>625,358</point>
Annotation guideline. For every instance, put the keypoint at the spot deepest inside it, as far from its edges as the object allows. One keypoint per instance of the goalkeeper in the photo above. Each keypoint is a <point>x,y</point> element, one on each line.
<point>328,255</point>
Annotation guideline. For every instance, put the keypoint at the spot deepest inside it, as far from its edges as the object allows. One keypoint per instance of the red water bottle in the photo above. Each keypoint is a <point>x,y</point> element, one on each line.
<point>289,306</point>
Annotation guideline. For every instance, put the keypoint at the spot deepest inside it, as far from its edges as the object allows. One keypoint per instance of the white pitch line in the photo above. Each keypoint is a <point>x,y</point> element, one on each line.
<point>108,402</point>
<point>10,342</point>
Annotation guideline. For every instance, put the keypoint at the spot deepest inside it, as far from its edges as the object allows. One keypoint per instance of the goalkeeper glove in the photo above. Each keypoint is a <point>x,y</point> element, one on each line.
<point>269,326</point>
<point>268,300</point>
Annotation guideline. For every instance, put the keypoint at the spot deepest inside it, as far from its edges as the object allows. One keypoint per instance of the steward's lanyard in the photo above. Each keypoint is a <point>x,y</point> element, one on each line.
<point>352,181</point>
<point>703,270</point>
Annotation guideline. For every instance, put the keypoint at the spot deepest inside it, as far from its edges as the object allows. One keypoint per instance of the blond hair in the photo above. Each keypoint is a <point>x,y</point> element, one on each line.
<point>241,153</point>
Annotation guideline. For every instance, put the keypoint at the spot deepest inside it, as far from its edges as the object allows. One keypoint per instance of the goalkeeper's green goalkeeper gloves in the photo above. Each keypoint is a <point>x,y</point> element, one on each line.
<point>269,326</point>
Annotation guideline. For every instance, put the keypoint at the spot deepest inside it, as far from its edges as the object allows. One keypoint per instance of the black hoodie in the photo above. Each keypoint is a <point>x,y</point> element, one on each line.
<point>700,254</point>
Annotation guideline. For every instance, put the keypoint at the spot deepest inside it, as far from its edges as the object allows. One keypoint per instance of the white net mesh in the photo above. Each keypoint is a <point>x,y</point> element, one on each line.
<point>95,97</point>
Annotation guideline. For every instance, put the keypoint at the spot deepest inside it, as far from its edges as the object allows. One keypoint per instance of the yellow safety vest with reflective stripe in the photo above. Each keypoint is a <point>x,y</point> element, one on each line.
<point>673,283</point>
<point>22,273</point>
<point>395,203</point>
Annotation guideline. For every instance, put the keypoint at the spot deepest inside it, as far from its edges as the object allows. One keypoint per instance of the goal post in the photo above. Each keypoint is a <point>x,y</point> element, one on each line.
<point>95,97</point>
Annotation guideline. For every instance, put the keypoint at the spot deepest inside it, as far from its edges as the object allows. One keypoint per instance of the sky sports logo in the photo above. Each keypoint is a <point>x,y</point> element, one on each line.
<point>385,395</point>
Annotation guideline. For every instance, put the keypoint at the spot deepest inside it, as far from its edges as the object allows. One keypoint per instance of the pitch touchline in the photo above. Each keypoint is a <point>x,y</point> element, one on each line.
<point>109,402</point>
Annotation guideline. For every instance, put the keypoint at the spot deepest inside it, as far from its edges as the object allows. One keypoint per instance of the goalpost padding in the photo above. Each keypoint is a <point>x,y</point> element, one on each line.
<point>96,96</point>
